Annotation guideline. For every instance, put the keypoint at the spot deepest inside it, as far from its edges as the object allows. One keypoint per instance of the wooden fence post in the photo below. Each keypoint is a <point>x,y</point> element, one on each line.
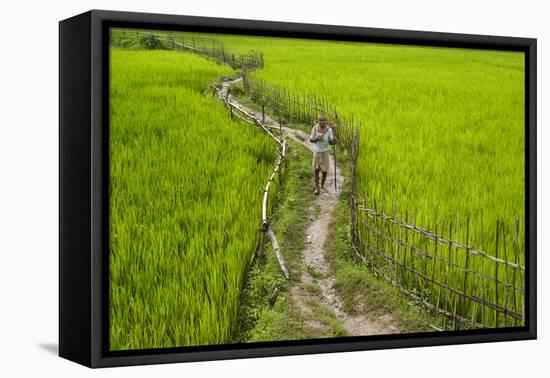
<point>280,171</point>
<point>353,161</point>
<point>334,136</point>
<point>516,261</point>
<point>245,77</point>
<point>436,308</point>
<point>263,230</point>
<point>464,299</point>
<point>505,289</point>
<point>448,267</point>
<point>496,275</point>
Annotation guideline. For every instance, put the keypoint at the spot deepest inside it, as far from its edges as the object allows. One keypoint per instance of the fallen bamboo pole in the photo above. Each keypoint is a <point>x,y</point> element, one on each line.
<point>278,253</point>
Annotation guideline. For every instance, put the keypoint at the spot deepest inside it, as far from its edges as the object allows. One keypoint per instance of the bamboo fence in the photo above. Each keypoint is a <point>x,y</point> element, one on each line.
<point>448,276</point>
<point>439,268</point>
<point>265,230</point>
<point>208,47</point>
<point>290,107</point>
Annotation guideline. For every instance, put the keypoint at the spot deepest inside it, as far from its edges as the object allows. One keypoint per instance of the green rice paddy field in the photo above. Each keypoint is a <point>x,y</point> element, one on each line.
<point>442,129</point>
<point>442,133</point>
<point>180,170</point>
<point>442,137</point>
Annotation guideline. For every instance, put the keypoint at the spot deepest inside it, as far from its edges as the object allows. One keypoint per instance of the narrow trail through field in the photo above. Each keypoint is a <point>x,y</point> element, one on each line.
<point>317,268</point>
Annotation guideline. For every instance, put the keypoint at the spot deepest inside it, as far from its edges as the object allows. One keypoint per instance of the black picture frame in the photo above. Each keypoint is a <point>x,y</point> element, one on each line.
<point>84,176</point>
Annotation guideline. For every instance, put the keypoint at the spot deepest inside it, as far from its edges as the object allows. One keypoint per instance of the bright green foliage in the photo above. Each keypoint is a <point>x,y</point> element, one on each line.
<point>442,137</point>
<point>185,202</point>
<point>442,129</point>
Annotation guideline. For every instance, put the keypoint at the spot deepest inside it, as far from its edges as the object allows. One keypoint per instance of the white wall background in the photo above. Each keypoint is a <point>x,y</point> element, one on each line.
<point>29,186</point>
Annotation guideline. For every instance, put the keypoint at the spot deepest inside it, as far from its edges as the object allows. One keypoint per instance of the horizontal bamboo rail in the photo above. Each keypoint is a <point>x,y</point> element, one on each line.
<point>441,240</point>
<point>422,253</point>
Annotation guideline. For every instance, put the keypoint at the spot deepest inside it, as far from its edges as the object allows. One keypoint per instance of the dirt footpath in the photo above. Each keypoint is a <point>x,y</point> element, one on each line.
<point>313,255</point>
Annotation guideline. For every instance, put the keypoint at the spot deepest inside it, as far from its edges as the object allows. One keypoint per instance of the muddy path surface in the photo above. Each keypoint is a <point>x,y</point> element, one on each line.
<point>317,268</point>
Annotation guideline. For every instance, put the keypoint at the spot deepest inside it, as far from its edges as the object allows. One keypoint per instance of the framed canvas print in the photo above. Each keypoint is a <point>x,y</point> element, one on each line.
<point>236,188</point>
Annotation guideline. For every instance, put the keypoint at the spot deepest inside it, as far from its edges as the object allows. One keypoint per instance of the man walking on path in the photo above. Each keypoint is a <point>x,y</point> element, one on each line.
<point>322,138</point>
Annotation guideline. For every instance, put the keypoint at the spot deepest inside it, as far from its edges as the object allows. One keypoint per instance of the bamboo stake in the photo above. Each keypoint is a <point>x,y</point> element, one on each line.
<point>454,257</point>
<point>262,243</point>
<point>404,262</point>
<point>465,280</point>
<point>496,275</point>
<point>472,322</point>
<point>334,136</point>
<point>440,275</point>
<point>424,267</point>
<point>447,266</point>
<point>384,232</point>
<point>505,289</point>
<point>395,247</point>
<point>454,312</point>
<point>516,253</point>
<point>374,258</point>
<point>401,255</point>
<point>483,289</point>
<point>434,265</point>
<point>413,243</point>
